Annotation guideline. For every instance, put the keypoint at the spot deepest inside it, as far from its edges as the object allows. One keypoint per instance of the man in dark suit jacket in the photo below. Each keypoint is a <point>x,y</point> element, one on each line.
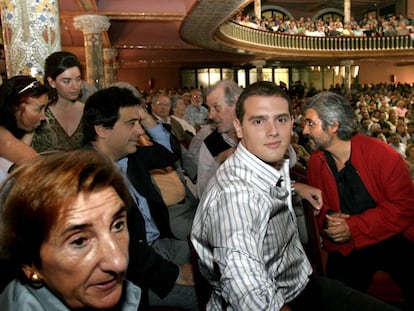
<point>179,198</point>
<point>161,108</point>
<point>159,263</point>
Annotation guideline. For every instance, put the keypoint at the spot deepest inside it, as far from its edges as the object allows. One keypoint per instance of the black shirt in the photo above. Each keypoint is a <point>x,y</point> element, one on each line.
<point>354,197</point>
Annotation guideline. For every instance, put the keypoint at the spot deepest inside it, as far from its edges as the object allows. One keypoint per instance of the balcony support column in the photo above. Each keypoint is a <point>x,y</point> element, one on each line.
<point>259,68</point>
<point>347,11</point>
<point>258,9</point>
<point>347,79</point>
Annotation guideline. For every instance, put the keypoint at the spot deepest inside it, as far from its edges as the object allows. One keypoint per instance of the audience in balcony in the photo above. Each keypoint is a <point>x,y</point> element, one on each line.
<point>333,31</point>
<point>369,26</point>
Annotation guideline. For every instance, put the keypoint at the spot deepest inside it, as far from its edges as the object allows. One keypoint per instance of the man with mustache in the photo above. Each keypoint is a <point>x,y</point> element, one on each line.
<point>367,219</point>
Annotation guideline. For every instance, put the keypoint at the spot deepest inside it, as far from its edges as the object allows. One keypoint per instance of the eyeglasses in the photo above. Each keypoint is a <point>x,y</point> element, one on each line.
<point>158,103</point>
<point>32,85</point>
<point>311,123</point>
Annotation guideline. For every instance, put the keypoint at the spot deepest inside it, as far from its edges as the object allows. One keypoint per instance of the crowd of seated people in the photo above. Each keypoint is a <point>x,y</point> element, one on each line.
<point>381,109</point>
<point>385,109</point>
<point>369,26</point>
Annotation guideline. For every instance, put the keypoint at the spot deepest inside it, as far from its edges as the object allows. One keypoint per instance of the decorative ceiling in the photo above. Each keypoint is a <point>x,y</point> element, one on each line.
<point>171,32</point>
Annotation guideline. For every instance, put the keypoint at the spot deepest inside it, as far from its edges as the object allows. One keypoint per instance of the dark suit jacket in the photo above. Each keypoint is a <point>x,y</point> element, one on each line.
<point>182,136</point>
<point>147,268</point>
<point>139,165</point>
<point>177,130</point>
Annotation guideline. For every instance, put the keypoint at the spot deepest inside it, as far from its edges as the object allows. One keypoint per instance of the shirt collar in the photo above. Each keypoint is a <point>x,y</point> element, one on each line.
<point>268,174</point>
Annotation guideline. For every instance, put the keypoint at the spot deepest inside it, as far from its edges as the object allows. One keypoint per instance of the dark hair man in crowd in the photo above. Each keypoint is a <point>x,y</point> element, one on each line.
<point>245,230</point>
<point>113,123</point>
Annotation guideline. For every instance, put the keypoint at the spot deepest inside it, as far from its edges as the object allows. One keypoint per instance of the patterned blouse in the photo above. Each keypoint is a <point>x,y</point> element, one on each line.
<point>51,136</point>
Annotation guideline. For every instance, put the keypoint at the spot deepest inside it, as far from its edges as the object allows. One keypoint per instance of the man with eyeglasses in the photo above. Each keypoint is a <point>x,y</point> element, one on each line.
<point>170,180</point>
<point>161,109</point>
<point>196,113</point>
<point>367,219</point>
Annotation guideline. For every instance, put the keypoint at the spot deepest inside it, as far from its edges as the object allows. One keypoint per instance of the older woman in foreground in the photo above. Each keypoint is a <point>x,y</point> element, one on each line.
<point>64,236</point>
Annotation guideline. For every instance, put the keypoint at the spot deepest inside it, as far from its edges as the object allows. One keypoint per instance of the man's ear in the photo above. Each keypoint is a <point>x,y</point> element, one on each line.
<point>101,131</point>
<point>237,127</point>
<point>333,128</point>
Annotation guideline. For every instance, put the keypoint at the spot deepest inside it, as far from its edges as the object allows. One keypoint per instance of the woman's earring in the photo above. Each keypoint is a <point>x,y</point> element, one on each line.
<point>35,280</point>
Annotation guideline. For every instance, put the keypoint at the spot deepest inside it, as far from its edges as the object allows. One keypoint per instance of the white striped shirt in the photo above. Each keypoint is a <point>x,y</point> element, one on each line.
<point>247,238</point>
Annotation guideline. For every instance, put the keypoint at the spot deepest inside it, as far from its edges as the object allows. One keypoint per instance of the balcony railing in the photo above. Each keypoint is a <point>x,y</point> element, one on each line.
<point>233,34</point>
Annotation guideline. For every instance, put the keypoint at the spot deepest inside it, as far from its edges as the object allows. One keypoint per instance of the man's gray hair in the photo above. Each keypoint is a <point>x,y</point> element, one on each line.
<point>231,91</point>
<point>331,108</point>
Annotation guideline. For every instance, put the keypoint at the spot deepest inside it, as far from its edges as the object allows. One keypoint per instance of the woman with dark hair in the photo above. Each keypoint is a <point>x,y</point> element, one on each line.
<point>64,238</point>
<point>62,129</point>
<point>22,109</point>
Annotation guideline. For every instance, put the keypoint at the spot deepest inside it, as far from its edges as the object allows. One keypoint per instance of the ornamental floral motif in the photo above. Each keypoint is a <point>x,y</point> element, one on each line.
<point>31,31</point>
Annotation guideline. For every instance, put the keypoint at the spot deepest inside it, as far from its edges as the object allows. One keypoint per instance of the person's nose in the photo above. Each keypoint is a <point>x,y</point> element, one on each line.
<point>76,85</point>
<point>114,254</point>
<point>211,114</point>
<point>272,129</point>
<point>42,116</point>
<point>305,129</point>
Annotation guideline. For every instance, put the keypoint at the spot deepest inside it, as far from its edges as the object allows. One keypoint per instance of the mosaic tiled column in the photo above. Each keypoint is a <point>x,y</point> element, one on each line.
<point>110,67</point>
<point>93,27</point>
<point>30,32</point>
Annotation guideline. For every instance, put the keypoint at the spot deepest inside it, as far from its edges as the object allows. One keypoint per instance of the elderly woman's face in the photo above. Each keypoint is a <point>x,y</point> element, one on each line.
<point>85,258</point>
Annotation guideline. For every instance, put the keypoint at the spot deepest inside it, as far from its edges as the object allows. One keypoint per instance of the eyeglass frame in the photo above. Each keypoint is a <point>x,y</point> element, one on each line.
<point>31,85</point>
<point>158,103</point>
<point>311,123</point>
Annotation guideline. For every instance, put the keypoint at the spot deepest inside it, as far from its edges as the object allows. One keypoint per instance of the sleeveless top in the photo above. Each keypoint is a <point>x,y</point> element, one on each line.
<point>51,136</point>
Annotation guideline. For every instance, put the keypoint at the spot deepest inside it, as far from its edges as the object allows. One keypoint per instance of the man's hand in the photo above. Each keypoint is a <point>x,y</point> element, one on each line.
<point>285,308</point>
<point>337,228</point>
<point>147,121</point>
<point>186,275</point>
<point>311,194</point>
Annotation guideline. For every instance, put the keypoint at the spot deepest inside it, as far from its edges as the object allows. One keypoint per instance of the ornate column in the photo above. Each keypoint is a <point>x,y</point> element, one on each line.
<point>347,79</point>
<point>259,68</point>
<point>110,67</point>
<point>258,9</point>
<point>347,11</point>
<point>92,27</point>
<point>31,31</point>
